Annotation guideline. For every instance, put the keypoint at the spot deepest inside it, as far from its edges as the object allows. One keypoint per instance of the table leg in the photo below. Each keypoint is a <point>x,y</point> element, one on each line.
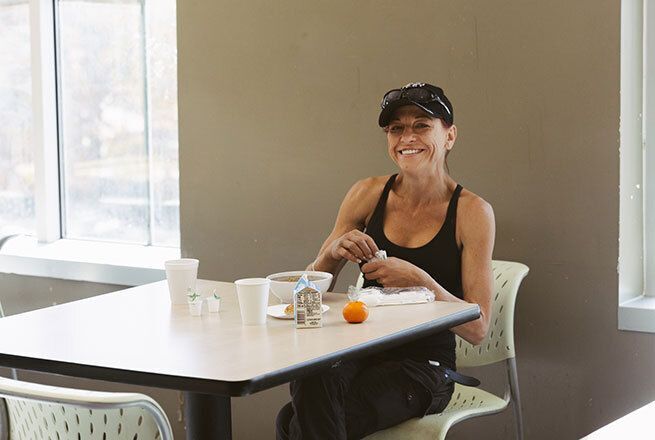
<point>207,416</point>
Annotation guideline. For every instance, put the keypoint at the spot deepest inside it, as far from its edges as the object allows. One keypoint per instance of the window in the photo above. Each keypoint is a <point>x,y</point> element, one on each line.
<point>637,182</point>
<point>88,144</point>
<point>16,154</point>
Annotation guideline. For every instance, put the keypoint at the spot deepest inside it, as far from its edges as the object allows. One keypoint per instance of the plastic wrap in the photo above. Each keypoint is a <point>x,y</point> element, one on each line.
<point>388,296</point>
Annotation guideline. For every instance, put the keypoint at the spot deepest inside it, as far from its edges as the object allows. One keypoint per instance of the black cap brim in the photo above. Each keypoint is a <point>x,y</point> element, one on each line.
<point>387,112</point>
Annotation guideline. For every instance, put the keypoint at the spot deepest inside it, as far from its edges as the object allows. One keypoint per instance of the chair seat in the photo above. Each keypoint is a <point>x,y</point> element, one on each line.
<point>466,402</point>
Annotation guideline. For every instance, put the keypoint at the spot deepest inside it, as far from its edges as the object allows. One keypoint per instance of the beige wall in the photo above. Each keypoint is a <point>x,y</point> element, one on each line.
<point>278,106</point>
<point>278,103</point>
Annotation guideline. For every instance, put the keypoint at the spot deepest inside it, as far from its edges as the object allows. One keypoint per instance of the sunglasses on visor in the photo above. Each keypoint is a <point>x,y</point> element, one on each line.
<point>416,94</point>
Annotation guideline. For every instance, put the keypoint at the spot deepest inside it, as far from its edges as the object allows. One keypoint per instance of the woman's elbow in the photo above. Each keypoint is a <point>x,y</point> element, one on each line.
<point>475,339</point>
<point>479,334</point>
<point>474,332</point>
<point>478,340</point>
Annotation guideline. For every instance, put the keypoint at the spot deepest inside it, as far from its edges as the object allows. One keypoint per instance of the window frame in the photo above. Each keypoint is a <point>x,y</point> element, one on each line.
<point>636,264</point>
<point>47,199</point>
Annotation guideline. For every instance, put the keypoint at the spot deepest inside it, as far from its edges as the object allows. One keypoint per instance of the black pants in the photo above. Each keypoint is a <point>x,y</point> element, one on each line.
<point>354,399</point>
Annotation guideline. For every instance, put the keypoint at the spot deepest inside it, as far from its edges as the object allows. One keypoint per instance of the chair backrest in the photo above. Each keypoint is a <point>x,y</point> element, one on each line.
<point>498,345</point>
<point>54,413</point>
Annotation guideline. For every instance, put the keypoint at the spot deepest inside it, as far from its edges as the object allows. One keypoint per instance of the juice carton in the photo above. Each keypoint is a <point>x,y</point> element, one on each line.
<point>307,304</point>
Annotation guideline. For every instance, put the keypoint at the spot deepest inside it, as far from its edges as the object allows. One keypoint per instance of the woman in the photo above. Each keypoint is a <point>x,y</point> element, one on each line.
<point>436,234</point>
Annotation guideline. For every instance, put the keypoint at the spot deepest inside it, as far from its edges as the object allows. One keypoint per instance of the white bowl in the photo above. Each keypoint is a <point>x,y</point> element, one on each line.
<point>284,289</point>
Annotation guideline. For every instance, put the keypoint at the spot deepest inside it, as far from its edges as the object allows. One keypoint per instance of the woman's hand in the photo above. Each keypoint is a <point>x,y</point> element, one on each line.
<point>394,272</point>
<point>354,246</point>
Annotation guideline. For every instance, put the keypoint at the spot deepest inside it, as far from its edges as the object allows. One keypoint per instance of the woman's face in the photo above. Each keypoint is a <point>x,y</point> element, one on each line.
<point>418,142</point>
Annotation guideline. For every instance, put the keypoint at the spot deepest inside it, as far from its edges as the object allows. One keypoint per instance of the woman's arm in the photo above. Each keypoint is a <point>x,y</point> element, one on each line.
<point>477,234</point>
<point>347,242</point>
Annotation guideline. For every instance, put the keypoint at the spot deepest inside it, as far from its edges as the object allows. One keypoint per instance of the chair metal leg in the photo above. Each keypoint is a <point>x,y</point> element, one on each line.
<point>513,380</point>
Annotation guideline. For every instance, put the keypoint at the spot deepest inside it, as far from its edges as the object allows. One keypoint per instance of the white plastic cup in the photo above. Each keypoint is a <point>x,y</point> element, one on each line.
<point>181,275</point>
<point>253,299</point>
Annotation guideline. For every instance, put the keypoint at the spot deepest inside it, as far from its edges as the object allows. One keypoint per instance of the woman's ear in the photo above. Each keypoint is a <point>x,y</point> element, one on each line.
<point>451,135</point>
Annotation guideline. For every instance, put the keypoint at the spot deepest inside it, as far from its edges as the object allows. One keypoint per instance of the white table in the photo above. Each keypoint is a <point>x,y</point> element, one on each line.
<point>135,336</point>
<point>635,425</point>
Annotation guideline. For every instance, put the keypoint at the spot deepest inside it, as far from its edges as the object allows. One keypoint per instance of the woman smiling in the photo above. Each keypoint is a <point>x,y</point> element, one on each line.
<point>437,235</point>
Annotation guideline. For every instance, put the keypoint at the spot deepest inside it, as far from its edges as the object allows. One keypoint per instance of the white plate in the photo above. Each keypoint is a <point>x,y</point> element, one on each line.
<point>277,311</point>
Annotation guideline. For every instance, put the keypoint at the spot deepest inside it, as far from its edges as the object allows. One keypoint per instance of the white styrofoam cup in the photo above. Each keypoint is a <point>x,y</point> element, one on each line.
<point>253,299</point>
<point>181,275</point>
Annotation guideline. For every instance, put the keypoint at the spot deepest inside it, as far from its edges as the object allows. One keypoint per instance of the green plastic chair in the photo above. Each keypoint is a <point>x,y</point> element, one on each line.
<point>498,346</point>
<point>46,412</point>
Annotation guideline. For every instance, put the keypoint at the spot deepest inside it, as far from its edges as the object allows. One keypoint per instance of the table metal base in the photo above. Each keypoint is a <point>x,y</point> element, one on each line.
<point>207,416</point>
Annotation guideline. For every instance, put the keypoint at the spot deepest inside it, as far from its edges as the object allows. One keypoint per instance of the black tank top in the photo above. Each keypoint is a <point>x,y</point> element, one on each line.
<point>441,259</point>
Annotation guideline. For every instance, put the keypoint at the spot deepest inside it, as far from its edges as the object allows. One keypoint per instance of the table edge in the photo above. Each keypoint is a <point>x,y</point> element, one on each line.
<point>244,387</point>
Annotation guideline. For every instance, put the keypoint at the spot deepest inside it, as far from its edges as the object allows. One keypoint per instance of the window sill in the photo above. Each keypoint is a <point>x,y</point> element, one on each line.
<point>98,262</point>
<point>638,314</point>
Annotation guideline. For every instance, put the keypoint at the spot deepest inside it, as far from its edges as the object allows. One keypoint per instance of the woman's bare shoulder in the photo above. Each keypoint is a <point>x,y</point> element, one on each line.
<point>473,208</point>
<point>475,220</point>
<point>360,202</point>
<point>368,189</point>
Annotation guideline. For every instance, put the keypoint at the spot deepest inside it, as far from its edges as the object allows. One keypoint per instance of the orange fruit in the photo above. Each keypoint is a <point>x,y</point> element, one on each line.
<point>355,312</point>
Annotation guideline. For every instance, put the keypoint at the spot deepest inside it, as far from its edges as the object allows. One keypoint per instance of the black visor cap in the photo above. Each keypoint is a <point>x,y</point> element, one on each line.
<point>441,108</point>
